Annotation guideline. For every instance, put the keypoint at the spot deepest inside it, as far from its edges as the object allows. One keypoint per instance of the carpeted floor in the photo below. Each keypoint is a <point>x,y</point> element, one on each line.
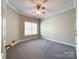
<point>40,49</point>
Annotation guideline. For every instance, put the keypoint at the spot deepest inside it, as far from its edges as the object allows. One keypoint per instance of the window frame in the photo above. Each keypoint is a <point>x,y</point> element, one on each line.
<point>31,28</point>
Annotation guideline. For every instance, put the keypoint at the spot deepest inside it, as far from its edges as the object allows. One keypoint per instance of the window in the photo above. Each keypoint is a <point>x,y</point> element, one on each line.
<point>30,28</point>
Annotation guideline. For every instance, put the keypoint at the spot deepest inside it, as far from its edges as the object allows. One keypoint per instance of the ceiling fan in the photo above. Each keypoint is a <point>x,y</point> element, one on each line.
<point>39,6</point>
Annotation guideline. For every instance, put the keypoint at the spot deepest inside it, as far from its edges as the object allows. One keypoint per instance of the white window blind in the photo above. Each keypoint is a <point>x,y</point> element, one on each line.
<point>30,28</point>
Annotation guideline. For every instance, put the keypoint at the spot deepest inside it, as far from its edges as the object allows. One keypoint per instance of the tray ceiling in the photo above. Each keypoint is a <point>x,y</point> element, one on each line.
<point>52,6</point>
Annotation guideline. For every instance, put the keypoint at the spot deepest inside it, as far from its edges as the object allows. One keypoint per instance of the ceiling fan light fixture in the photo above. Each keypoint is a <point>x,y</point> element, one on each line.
<point>40,6</point>
<point>43,8</point>
<point>43,12</point>
<point>38,12</point>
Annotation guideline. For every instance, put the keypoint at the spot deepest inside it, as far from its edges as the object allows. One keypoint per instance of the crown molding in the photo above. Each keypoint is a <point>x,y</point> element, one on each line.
<point>74,2</point>
<point>20,12</point>
<point>60,12</point>
<point>13,8</point>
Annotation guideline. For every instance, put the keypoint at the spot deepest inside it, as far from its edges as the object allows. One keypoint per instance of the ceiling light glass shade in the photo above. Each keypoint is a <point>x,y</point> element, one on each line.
<point>38,12</point>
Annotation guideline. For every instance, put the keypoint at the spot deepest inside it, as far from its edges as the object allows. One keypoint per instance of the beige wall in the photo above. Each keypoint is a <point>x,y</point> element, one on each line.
<point>15,26</point>
<point>12,25</point>
<point>21,27</point>
<point>60,27</point>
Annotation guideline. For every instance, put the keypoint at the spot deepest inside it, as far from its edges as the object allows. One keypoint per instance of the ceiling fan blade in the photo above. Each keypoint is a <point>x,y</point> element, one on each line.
<point>45,1</point>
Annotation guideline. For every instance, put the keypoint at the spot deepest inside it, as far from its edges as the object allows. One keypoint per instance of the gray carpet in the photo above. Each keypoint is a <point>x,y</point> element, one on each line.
<point>40,49</point>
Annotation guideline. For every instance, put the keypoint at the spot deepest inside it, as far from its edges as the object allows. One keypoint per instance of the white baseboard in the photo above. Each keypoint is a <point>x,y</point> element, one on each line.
<point>22,41</point>
<point>61,42</point>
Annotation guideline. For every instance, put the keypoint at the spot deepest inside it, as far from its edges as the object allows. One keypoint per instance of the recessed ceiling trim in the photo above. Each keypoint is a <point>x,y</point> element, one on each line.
<point>13,8</point>
<point>60,12</point>
<point>47,16</point>
<point>19,12</point>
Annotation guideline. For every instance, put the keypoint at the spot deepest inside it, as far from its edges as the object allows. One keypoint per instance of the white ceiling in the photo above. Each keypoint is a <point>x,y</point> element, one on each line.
<point>52,6</point>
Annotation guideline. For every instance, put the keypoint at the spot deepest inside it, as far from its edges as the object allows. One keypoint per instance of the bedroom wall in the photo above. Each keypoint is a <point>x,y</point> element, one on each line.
<point>60,27</point>
<point>21,27</point>
<point>12,25</point>
<point>15,26</point>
